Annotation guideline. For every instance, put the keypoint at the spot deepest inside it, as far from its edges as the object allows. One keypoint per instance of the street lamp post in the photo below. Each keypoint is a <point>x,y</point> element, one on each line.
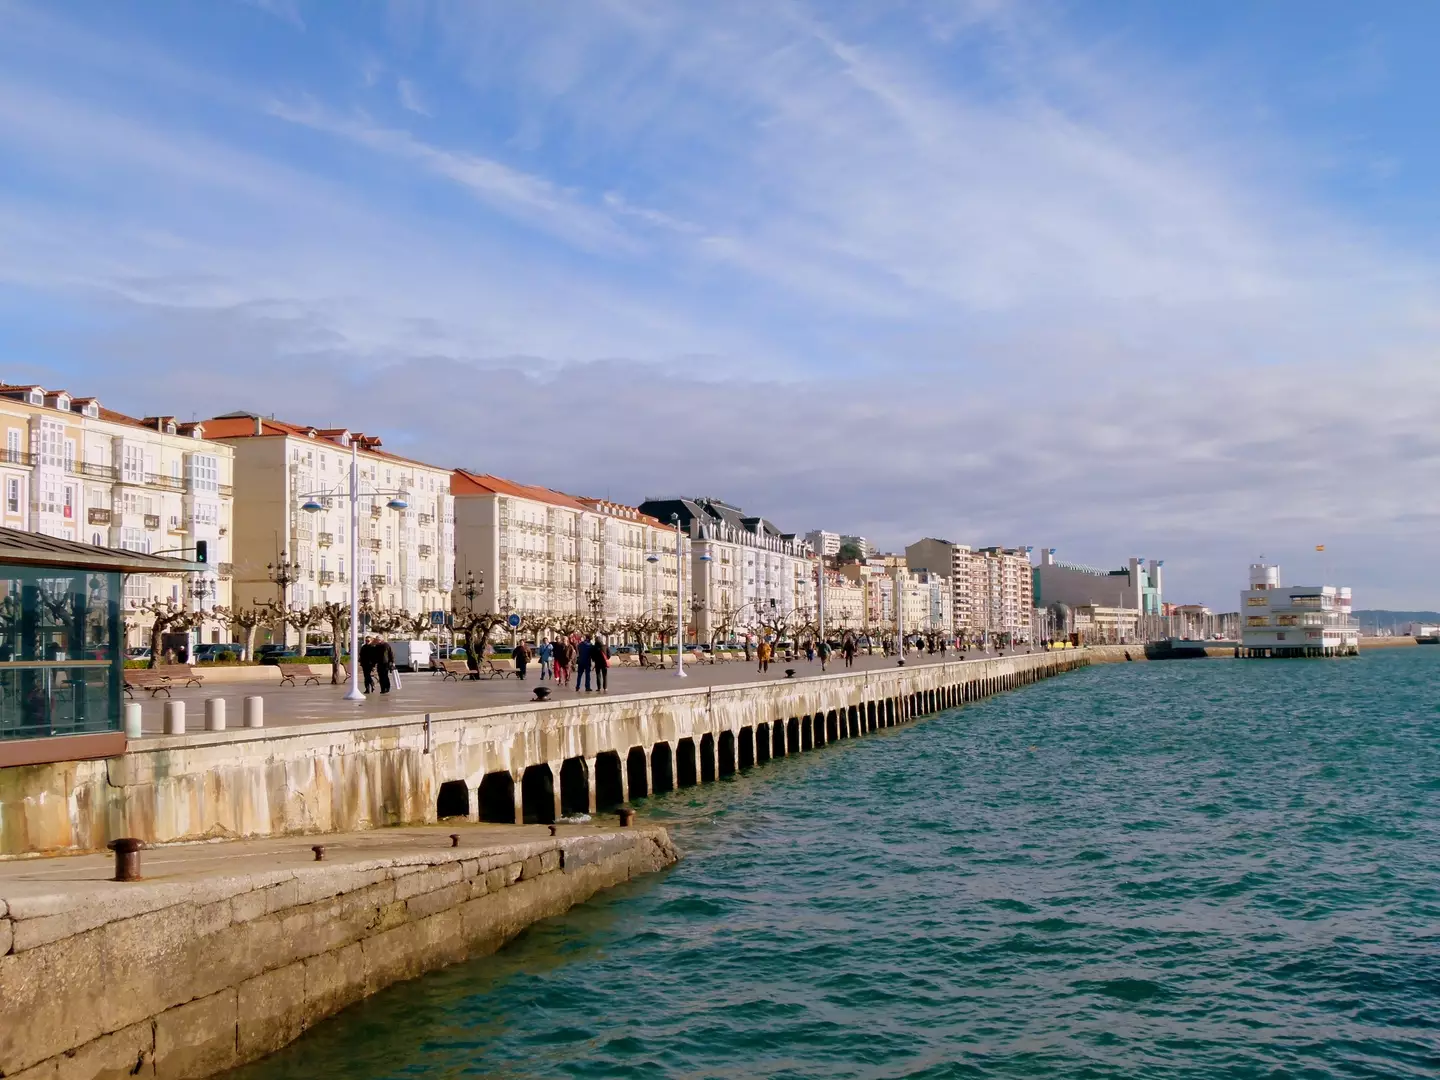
<point>679,602</point>
<point>312,504</point>
<point>283,573</point>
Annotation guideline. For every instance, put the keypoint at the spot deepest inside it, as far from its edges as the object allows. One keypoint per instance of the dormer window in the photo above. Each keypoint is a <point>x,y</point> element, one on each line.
<point>62,402</point>
<point>35,397</point>
<point>92,410</point>
<point>170,427</point>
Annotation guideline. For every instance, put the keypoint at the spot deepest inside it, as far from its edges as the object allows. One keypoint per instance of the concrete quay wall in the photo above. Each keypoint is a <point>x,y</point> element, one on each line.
<point>531,762</point>
<point>186,979</point>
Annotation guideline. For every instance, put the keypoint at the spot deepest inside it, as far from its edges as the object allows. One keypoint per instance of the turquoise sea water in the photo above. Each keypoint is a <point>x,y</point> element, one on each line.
<point>1194,869</point>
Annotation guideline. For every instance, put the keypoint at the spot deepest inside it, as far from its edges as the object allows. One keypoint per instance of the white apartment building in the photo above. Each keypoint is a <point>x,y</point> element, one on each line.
<point>406,561</point>
<point>541,551</point>
<point>76,470</point>
<point>739,563</point>
<point>824,543</point>
<point>992,588</point>
<point>864,546</point>
<point>1295,620</point>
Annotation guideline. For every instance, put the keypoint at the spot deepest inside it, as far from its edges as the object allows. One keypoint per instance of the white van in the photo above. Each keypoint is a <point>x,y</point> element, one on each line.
<point>412,655</point>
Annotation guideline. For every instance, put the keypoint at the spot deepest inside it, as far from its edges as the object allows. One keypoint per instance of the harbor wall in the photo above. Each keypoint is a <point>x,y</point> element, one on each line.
<point>187,979</point>
<point>546,758</point>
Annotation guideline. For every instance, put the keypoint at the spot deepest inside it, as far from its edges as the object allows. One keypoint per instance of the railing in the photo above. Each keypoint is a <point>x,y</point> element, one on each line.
<point>425,551</point>
<point>178,526</point>
<point>324,539</point>
<point>17,457</point>
<point>326,577</point>
<point>303,532</point>
<point>378,580</point>
<point>374,543</point>
<point>427,584</point>
<point>85,468</point>
<point>152,521</point>
<point>375,510</point>
<point>97,517</point>
<point>225,569</point>
<point>226,490</point>
<point>169,483</point>
<point>426,519</point>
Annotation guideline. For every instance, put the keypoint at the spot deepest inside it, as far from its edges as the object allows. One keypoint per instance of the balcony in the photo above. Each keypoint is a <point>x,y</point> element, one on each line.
<point>426,519</point>
<point>95,472</point>
<point>17,457</point>
<point>98,517</point>
<point>325,539</point>
<point>225,570</point>
<point>167,483</point>
<point>326,577</point>
<point>378,580</point>
<point>426,551</point>
<point>152,521</point>
<point>177,526</point>
<point>376,510</point>
<point>372,544</point>
<point>427,584</point>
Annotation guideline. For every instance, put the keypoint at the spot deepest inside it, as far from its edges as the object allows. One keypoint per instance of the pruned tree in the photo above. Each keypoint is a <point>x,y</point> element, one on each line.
<point>415,625</point>
<point>169,618</point>
<point>248,619</point>
<point>301,619</point>
<point>388,620</point>
<point>335,615</point>
<point>477,626</point>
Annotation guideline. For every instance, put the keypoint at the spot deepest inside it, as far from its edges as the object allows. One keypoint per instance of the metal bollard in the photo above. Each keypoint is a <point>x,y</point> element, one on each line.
<point>127,858</point>
<point>319,850</point>
<point>454,839</point>
<point>255,711</point>
<point>553,830</point>
<point>174,718</point>
<point>133,729</point>
<point>627,817</point>
<point>215,714</point>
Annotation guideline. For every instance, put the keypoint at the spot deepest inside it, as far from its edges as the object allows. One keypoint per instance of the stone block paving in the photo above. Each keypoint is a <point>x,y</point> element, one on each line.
<point>422,692</point>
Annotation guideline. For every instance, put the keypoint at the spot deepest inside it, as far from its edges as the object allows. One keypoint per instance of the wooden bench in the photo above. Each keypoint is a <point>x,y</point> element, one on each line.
<point>146,679</point>
<point>181,674</point>
<point>498,668</point>
<point>454,669</point>
<point>307,674</point>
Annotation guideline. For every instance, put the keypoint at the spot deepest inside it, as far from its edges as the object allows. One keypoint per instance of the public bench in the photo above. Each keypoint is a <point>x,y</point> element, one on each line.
<point>146,679</point>
<point>497,668</point>
<point>454,669</point>
<point>181,674</point>
<point>308,674</point>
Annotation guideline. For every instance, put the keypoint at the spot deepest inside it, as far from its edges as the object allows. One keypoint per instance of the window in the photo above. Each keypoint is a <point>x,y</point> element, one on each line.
<point>52,442</point>
<point>1256,601</point>
<point>132,464</point>
<point>70,454</point>
<point>1287,620</point>
<point>95,539</point>
<point>1257,620</point>
<point>12,496</point>
<point>69,501</point>
<point>12,445</point>
<point>203,472</point>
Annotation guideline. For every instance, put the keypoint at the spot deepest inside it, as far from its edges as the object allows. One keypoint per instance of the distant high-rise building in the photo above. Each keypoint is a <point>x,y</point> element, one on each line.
<point>824,543</point>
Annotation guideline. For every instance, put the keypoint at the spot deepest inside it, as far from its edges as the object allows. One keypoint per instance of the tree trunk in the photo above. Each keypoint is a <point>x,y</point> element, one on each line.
<point>335,653</point>
<point>157,630</point>
<point>250,641</point>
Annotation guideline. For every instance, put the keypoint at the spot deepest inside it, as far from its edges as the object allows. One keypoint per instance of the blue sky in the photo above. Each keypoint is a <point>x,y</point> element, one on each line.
<point>1117,278</point>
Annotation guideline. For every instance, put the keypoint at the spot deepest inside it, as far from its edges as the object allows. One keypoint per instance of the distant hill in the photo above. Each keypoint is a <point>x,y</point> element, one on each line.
<point>1370,618</point>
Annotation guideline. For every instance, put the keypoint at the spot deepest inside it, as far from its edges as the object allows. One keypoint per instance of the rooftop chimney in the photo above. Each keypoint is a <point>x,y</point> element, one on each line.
<point>259,426</point>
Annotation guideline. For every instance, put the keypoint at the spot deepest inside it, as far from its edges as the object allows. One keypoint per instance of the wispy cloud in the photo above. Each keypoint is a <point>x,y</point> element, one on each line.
<point>410,98</point>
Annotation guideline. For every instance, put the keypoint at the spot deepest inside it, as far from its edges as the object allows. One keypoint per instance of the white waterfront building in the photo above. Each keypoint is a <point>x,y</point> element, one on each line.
<point>1295,620</point>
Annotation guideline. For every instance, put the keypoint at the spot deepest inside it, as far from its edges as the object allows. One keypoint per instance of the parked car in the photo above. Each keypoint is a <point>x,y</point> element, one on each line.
<point>213,650</point>
<point>273,654</point>
<point>411,655</point>
<point>142,653</point>
<point>323,652</point>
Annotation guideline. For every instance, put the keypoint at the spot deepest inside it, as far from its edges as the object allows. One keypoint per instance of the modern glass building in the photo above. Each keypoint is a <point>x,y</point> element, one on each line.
<point>62,646</point>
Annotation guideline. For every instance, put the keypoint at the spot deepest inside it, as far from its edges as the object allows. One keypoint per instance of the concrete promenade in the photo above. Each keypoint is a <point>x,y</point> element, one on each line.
<point>511,761</point>
<point>423,691</point>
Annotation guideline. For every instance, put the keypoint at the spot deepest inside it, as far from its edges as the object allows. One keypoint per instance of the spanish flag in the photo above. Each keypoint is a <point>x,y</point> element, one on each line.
<point>1319,547</point>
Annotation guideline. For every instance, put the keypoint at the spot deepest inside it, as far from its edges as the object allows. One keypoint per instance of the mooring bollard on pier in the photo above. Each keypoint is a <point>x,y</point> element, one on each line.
<point>133,729</point>
<point>254,711</point>
<point>215,714</point>
<point>174,718</point>
<point>127,858</point>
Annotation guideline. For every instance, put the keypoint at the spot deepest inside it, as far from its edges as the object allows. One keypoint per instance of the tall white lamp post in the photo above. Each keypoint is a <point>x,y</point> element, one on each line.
<point>313,505</point>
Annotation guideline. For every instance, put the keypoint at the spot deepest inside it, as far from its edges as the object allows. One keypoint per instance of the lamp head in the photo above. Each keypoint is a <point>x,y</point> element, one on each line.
<point>397,503</point>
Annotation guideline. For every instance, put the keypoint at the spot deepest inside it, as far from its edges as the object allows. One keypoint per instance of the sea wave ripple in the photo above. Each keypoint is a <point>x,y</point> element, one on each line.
<point>1197,869</point>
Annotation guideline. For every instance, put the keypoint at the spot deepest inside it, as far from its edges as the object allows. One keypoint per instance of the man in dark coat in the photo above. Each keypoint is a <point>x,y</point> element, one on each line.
<point>384,664</point>
<point>367,664</point>
<point>584,659</point>
<point>600,657</point>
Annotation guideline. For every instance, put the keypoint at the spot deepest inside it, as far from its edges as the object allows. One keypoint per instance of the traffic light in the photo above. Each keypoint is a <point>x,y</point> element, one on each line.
<point>202,551</point>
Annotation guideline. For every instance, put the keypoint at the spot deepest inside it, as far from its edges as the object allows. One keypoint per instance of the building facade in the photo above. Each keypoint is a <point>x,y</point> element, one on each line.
<point>405,552</point>
<point>741,565</point>
<point>543,552</point>
<point>1295,620</point>
<point>1138,585</point>
<point>74,470</point>
<point>991,588</point>
<point>824,543</point>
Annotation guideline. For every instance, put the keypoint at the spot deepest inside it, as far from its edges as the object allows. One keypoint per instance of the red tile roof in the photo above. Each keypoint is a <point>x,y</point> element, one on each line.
<point>243,427</point>
<point>464,482</point>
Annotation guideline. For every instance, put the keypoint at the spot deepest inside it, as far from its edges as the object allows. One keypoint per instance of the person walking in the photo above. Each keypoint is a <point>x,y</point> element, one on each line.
<point>546,655</point>
<point>367,664</point>
<point>847,649</point>
<point>809,650</point>
<point>762,655</point>
<point>384,664</point>
<point>521,656</point>
<point>748,657</point>
<point>824,651</point>
<point>601,659</point>
<point>584,660</point>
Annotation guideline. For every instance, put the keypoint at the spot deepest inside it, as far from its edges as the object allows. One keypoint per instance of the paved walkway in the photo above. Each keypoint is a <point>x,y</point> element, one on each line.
<point>82,874</point>
<point>422,692</point>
